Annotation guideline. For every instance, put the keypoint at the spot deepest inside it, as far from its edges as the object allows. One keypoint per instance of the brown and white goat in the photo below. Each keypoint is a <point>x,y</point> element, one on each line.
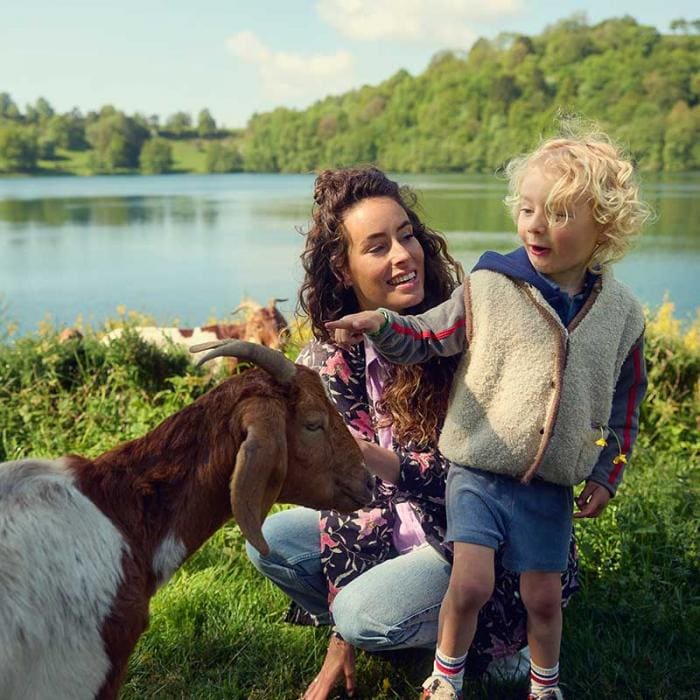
<point>84,544</point>
<point>264,325</point>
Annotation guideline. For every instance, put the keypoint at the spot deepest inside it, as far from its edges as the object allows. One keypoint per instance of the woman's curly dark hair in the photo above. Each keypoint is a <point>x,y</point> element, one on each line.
<point>323,296</point>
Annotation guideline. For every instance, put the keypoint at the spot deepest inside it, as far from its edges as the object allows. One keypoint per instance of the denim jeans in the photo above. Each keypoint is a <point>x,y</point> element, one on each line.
<point>394,605</point>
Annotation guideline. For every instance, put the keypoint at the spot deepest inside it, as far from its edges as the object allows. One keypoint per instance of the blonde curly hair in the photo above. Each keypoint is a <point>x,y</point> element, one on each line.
<point>591,167</point>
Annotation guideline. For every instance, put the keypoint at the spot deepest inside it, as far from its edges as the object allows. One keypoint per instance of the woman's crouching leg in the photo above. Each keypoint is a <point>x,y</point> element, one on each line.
<point>294,561</point>
<point>394,605</point>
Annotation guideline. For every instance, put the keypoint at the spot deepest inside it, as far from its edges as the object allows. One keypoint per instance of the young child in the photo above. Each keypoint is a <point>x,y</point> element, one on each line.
<point>546,395</point>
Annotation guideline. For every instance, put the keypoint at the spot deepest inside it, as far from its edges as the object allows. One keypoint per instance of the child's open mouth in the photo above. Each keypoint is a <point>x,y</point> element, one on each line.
<point>538,250</point>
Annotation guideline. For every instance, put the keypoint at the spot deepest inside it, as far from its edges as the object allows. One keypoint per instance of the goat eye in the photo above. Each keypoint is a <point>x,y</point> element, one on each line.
<point>313,427</point>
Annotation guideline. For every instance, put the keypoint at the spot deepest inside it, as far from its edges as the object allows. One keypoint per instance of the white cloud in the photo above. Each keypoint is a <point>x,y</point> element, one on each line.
<point>292,76</point>
<point>444,22</point>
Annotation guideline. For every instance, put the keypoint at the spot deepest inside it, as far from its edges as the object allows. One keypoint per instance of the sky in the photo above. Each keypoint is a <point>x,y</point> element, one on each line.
<point>238,57</point>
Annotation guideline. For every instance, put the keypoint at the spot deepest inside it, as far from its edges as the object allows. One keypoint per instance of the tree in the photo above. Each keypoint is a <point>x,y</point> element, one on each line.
<point>40,111</point>
<point>679,26</point>
<point>116,140</point>
<point>206,126</point>
<point>156,156</point>
<point>18,148</point>
<point>67,131</point>
<point>223,158</point>
<point>153,121</point>
<point>681,150</point>
<point>46,146</point>
<point>8,109</point>
<point>179,123</point>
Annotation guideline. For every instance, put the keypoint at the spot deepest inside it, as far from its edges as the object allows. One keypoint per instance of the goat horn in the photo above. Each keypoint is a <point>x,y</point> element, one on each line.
<point>209,345</point>
<point>282,369</point>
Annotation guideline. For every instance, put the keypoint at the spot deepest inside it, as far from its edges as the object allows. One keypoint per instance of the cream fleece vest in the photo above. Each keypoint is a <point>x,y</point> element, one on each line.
<point>530,397</point>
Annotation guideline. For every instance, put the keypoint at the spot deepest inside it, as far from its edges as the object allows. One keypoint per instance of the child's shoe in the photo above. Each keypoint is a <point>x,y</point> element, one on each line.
<point>438,688</point>
<point>550,694</point>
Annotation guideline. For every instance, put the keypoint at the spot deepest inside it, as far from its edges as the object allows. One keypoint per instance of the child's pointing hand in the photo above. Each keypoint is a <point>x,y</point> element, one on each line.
<point>349,329</point>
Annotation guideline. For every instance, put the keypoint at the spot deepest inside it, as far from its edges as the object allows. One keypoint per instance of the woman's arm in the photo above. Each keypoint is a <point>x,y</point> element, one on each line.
<point>423,472</point>
<point>339,662</point>
<point>380,461</point>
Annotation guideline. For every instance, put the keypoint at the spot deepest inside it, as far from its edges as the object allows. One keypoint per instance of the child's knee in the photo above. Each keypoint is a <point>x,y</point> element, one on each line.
<point>470,594</point>
<point>541,595</point>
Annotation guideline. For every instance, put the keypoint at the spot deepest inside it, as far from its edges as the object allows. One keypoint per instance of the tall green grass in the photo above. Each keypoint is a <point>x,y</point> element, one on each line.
<point>217,628</point>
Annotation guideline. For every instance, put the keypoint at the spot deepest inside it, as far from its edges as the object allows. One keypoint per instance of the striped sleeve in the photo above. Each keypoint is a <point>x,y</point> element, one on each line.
<point>624,420</point>
<point>439,332</point>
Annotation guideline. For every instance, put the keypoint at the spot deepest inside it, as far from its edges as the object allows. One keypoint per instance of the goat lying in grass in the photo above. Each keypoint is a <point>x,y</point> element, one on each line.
<point>84,544</point>
<point>264,325</point>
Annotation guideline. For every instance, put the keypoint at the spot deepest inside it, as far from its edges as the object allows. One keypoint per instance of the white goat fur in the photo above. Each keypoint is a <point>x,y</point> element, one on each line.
<point>60,554</point>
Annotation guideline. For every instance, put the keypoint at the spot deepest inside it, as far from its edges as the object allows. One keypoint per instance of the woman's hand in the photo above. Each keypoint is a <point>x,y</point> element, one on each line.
<point>339,661</point>
<point>380,461</point>
<point>350,329</point>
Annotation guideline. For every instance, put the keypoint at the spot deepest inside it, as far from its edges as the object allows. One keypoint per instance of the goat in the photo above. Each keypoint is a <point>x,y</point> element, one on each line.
<point>70,334</point>
<point>84,544</point>
<point>264,325</point>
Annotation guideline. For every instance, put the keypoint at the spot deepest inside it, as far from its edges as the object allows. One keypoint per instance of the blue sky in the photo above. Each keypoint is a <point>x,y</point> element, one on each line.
<point>237,58</point>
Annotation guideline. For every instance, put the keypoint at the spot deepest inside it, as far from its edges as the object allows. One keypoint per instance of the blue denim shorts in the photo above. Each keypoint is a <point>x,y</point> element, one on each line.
<point>531,521</point>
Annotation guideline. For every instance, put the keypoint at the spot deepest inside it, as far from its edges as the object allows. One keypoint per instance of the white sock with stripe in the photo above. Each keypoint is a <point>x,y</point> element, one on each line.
<point>542,679</point>
<point>450,668</point>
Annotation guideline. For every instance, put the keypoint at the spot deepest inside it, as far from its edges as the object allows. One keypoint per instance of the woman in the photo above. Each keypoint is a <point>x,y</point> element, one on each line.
<point>379,574</point>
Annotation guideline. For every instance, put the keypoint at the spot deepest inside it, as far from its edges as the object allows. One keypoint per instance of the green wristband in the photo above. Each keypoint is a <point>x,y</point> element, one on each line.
<point>383,326</point>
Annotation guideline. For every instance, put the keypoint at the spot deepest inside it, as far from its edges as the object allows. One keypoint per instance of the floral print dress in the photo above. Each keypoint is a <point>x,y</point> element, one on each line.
<point>352,544</point>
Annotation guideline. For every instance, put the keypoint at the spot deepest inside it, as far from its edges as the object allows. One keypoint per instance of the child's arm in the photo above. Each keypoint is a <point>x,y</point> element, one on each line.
<point>408,339</point>
<point>624,426</point>
<point>350,329</point>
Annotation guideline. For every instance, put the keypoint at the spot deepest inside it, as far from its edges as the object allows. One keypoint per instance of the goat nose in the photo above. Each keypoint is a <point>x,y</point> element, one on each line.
<point>371,481</point>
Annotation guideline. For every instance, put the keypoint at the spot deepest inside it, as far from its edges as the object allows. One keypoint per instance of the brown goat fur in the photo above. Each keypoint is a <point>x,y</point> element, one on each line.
<point>167,492</point>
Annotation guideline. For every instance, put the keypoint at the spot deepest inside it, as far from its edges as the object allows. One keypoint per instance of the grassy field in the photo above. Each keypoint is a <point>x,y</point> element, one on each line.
<point>217,628</point>
<point>67,163</point>
<point>189,156</point>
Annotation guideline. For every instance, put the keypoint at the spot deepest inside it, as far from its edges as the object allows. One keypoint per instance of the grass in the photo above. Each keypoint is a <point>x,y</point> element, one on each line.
<point>67,163</point>
<point>217,628</point>
<point>189,156</point>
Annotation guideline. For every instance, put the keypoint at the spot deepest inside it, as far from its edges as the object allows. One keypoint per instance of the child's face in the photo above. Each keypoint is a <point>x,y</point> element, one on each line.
<point>385,264</point>
<point>561,251</point>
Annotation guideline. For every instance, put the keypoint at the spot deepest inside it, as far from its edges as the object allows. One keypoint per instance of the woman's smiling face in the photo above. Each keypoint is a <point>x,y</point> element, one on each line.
<point>384,259</point>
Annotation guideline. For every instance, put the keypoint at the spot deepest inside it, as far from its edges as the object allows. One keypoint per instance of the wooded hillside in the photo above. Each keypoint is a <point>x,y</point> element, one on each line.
<point>467,111</point>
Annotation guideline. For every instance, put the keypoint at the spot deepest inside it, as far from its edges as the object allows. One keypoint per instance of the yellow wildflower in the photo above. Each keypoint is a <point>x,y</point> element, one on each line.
<point>601,441</point>
<point>621,458</point>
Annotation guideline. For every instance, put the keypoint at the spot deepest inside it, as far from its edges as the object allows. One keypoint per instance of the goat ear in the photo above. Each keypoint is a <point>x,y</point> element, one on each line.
<point>261,466</point>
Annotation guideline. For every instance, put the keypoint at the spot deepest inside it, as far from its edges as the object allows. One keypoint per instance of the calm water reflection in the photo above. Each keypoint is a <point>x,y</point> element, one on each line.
<point>188,247</point>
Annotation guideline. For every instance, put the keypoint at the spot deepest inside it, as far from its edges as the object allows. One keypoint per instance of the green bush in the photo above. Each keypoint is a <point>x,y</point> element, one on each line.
<point>156,157</point>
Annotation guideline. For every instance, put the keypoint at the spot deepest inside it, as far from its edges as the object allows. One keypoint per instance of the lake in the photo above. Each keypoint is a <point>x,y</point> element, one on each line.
<point>190,247</point>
